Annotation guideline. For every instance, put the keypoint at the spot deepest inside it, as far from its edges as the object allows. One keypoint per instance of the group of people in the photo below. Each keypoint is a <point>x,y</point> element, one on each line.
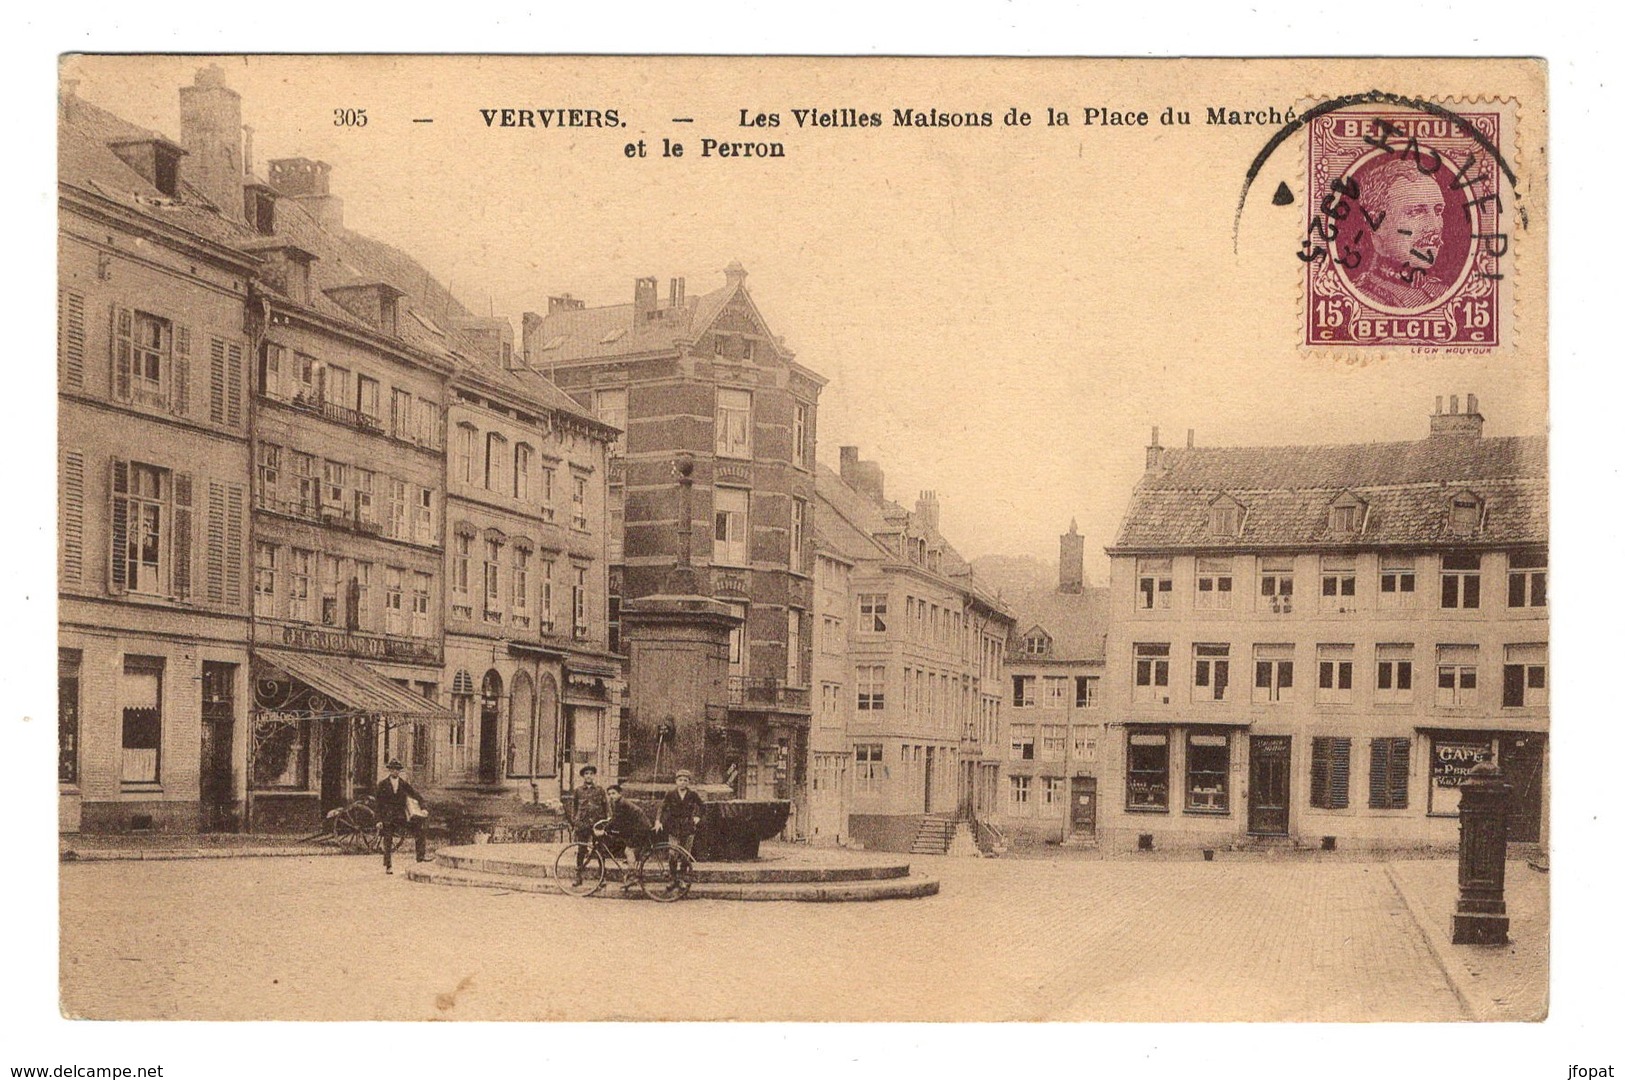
<point>623,825</point>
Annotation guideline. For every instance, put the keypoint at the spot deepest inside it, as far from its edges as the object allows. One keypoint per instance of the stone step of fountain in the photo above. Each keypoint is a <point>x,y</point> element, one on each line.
<point>796,867</point>
<point>807,891</point>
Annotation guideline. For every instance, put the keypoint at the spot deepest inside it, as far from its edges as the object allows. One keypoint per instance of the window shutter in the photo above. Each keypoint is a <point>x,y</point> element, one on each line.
<point>236,500</point>
<point>234,384</point>
<point>181,547</point>
<point>73,517</point>
<point>215,557</point>
<point>181,401</point>
<point>118,519</point>
<point>1329,773</point>
<point>217,381</point>
<point>1399,773</point>
<point>70,329</point>
<point>123,351</point>
<point>1379,774</point>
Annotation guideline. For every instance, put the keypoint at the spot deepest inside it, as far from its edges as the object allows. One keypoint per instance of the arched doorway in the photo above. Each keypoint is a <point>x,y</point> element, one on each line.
<point>490,727</point>
<point>547,727</point>
<point>521,726</point>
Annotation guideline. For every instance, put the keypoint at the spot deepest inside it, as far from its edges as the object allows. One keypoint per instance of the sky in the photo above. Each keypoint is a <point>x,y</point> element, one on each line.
<point>1003,313</point>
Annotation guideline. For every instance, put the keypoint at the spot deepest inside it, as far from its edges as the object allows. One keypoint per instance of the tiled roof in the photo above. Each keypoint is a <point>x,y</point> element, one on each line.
<point>597,333</point>
<point>1075,622</point>
<point>1287,493</point>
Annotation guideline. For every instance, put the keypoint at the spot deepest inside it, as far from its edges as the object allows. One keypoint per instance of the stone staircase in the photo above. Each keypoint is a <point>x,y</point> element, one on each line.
<point>934,835</point>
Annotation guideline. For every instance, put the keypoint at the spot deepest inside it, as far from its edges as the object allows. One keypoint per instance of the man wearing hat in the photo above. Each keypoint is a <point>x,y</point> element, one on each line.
<point>391,795</point>
<point>679,813</point>
<point>589,806</point>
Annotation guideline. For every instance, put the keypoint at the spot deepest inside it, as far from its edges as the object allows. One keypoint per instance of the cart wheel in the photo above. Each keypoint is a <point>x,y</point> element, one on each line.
<point>354,831</point>
<point>666,872</point>
<point>589,879</point>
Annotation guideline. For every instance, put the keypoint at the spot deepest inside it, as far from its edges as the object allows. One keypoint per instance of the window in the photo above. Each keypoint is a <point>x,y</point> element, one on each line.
<point>872,613</point>
<point>462,552</point>
<point>1021,794</point>
<point>306,489</point>
<point>1156,583</point>
<point>394,601</point>
<point>1524,677</point>
<point>1526,578</point>
<point>401,418</point>
<point>423,516</point>
<point>330,590</point>
<point>1329,773</point>
<point>578,603</point>
<point>360,606</point>
<point>67,716</point>
<point>738,638</point>
<point>1055,691</point>
<point>493,597</point>
<point>1025,694</point>
<point>141,542</point>
<point>366,399</point>
<point>141,358</point>
<point>546,508</point>
<point>521,471</point>
<point>1148,770</point>
<point>1213,584</point>
<point>307,378</point>
<point>1054,803</point>
<point>1054,742</point>
<point>798,526</point>
<point>1390,774</point>
<point>1224,519</point>
<point>1088,691</point>
<point>799,436</point>
<point>1397,581</point>
<point>421,584</point>
<point>299,570</point>
<point>1465,514</point>
<point>1022,746</point>
<point>834,636</point>
<point>335,482</point>
<point>521,586</point>
<point>792,659</point>
<point>281,755</point>
<point>1211,672</point>
<point>1336,683</point>
<point>268,473</point>
<point>1452,760</point>
<point>1458,581</point>
<point>1393,674</point>
<point>871,770</point>
<point>1207,773</point>
<point>1345,515</point>
<point>578,503</point>
<point>1084,745</point>
<point>466,435</point>
<point>1151,673</point>
<point>1037,644</point>
<point>1272,673</point>
<point>271,369</point>
<point>427,430</point>
<point>496,463</point>
<point>733,423</point>
<point>1337,583</point>
<point>141,692</point>
<point>364,483</point>
<point>1458,676</point>
<point>398,511</point>
<point>610,405</point>
<point>336,387</point>
<point>1275,584</point>
<point>871,687</point>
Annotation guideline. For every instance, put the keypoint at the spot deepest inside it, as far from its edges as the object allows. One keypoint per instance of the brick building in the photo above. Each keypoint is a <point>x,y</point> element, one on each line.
<point>1316,642</point>
<point>705,376</point>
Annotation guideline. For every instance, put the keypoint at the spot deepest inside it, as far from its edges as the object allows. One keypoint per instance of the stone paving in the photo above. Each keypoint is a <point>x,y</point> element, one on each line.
<point>1005,940</point>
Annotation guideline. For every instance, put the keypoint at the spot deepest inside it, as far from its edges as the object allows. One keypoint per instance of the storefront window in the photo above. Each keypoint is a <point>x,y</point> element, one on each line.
<point>1148,770</point>
<point>1449,764</point>
<point>1207,772</point>
<point>282,754</point>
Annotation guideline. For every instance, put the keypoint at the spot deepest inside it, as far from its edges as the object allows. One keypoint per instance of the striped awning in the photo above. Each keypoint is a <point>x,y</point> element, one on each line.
<point>355,685</point>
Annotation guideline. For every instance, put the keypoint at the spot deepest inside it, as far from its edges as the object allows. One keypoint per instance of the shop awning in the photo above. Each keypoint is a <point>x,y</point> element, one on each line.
<point>356,686</point>
<point>1217,721</point>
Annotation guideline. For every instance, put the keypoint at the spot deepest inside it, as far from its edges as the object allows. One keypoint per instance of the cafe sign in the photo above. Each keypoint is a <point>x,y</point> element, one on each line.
<point>1452,761</point>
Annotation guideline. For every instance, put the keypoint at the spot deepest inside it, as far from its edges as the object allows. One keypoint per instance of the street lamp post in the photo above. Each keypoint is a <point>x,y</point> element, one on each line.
<point>1481,860</point>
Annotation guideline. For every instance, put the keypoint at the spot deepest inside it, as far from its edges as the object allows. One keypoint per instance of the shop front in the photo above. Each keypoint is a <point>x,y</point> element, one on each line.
<point>1521,757</point>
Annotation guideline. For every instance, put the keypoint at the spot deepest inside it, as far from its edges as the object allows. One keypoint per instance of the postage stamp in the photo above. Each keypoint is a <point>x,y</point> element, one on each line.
<point>1407,243</point>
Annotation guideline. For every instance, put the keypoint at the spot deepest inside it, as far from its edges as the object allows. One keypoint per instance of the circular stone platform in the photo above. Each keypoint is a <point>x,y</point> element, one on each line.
<point>782,873</point>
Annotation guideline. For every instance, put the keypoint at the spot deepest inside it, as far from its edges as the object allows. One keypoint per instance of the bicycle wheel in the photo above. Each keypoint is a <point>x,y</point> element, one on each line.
<point>666,872</point>
<point>586,880</point>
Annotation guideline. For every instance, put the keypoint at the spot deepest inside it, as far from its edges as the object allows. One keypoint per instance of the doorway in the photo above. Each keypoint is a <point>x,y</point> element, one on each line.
<point>217,805</point>
<point>1269,785</point>
<point>930,772</point>
<point>1522,763</point>
<point>1083,806</point>
<point>490,727</point>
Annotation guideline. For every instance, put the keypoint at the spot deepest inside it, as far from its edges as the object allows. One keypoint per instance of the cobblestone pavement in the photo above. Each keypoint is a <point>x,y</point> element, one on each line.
<point>1067,940</point>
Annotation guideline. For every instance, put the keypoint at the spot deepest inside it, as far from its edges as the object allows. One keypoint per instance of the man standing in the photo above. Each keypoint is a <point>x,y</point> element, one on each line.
<point>391,795</point>
<point>589,806</point>
<point>679,813</point>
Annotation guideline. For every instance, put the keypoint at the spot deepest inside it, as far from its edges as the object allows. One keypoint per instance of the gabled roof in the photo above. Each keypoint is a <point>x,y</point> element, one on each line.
<point>572,335</point>
<point>1075,623</point>
<point>1289,490</point>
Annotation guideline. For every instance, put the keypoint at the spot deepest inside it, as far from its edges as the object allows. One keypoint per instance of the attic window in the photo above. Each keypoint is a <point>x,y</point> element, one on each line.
<point>1346,514</point>
<point>165,170</point>
<point>613,336</point>
<point>1224,519</point>
<point>1465,514</point>
<point>259,208</point>
<point>1037,643</point>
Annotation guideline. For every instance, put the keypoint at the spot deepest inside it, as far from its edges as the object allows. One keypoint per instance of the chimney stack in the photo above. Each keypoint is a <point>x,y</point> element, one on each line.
<point>1190,438</point>
<point>211,134</point>
<point>1455,423</point>
<point>1071,577</point>
<point>679,292</point>
<point>929,511</point>
<point>863,476</point>
<point>645,299</point>
<point>564,302</point>
<point>1153,453</point>
<point>735,273</point>
<point>306,183</point>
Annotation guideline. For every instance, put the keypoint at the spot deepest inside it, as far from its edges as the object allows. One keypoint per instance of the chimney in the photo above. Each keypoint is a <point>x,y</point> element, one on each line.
<point>862,476</point>
<point>211,133</point>
<point>1190,438</point>
<point>248,150</point>
<point>1071,577</point>
<point>1457,424</point>
<point>1153,453</point>
<point>645,299</point>
<point>929,511</point>
<point>306,183</point>
<point>735,273</point>
<point>679,291</point>
<point>564,302</point>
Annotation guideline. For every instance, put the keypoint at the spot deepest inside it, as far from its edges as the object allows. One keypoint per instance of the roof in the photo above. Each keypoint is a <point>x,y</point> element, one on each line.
<point>1287,493</point>
<point>1075,622</point>
<point>571,335</point>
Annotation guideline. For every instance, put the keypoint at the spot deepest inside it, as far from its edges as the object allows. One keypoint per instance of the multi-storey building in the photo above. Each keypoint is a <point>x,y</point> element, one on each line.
<point>153,500</point>
<point>1055,720</point>
<point>1317,642</point>
<point>704,376</point>
<point>924,649</point>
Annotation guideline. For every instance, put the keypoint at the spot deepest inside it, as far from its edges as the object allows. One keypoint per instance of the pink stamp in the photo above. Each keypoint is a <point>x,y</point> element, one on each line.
<point>1405,245</point>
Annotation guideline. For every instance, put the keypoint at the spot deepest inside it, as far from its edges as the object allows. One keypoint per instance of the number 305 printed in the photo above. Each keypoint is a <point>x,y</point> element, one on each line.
<point>349,117</point>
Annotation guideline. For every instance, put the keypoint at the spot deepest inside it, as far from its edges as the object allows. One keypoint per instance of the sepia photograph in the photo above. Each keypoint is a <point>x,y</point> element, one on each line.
<point>581,538</point>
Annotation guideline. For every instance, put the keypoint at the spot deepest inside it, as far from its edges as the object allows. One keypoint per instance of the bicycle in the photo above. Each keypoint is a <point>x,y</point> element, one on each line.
<point>665,873</point>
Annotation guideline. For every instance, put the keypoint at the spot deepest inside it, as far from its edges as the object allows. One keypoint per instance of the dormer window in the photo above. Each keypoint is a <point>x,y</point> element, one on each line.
<point>1466,513</point>
<point>259,209</point>
<point>1225,516</point>
<point>1037,642</point>
<point>1347,515</point>
<point>157,160</point>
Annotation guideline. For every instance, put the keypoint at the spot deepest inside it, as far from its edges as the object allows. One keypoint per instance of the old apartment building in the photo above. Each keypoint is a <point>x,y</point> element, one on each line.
<point>704,376</point>
<point>920,686</point>
<point>1055,734</point>
<point>1316,642</point>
